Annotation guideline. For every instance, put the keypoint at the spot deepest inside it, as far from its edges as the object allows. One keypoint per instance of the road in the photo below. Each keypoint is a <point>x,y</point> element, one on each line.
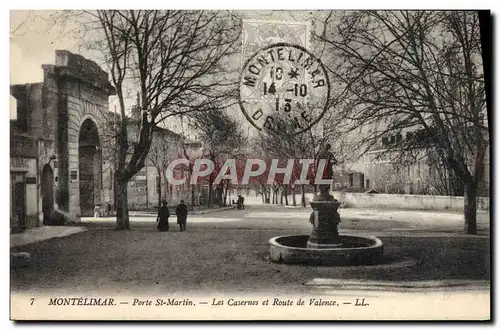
<point>275,217</point>
<point>225,254</point>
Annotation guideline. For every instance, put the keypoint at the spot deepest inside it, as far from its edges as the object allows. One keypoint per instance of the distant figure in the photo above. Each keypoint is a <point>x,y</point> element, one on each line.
<point>241,202</point>
<point>163,215</point>
<point>108,209</point>
<point>97,211</point>
<point>181,211</point>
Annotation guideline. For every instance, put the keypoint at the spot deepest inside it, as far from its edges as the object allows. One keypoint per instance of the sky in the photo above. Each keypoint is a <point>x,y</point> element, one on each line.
<point>32,44</point>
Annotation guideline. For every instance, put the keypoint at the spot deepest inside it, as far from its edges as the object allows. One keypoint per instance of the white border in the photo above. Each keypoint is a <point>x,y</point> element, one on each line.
<point>189,4</point>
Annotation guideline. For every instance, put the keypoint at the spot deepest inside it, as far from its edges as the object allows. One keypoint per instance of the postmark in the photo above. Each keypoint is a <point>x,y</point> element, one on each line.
<point>284,86</point>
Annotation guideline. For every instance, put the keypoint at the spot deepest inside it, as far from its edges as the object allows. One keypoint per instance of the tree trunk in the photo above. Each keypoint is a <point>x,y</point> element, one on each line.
<point>158,187</point>
<point>192,197</point>
<point>122,219</point>
<point>220,192</point>
<point>281,197</point>
<point>302,195</point>
<point>266,194</point>
<point>286,195</point>
<point>470,209</point>
<point>210,194</point>
<point>294,201</point>
<point>225,196</point>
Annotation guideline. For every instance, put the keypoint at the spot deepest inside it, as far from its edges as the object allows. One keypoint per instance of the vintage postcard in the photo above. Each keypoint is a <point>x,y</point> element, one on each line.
<point>250,165</point>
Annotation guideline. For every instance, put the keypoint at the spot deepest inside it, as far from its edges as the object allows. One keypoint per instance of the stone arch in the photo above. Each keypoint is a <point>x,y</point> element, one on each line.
<point>89,166</point>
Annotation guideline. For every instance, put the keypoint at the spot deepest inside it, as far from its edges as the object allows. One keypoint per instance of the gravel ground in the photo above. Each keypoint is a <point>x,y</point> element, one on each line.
<point>215,258</point>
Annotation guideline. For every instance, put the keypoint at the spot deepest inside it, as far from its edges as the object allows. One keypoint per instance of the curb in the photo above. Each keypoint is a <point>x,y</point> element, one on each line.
<point>380,285</point>
<point>213,210</point>
<point>66,231</point>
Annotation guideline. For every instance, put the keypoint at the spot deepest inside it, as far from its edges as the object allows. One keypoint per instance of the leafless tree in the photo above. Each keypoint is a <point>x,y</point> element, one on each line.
<point>222,137</point>
<point>414,70</point>
<point>175,59</point>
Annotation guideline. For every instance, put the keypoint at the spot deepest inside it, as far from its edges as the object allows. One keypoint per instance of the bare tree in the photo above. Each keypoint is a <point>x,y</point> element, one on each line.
<point>414,70</point>
<point>175,59</point>
<point>222,137</point>
<point>285,145</point>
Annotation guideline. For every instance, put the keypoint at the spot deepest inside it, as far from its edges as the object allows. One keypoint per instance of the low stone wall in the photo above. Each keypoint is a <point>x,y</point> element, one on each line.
<point>409,202</point>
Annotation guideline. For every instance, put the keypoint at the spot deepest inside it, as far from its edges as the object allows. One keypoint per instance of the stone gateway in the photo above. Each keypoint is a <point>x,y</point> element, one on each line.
<point>67,115</point>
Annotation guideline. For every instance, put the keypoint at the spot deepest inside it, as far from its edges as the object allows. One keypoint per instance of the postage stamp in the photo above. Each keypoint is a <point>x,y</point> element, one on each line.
<point>258,34</point>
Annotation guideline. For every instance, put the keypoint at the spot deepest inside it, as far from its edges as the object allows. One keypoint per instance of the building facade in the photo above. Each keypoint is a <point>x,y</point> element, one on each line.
<point>425,175</point>
<point>150,185</point>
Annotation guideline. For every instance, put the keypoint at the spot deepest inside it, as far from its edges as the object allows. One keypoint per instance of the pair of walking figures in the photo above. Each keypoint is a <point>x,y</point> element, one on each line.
<point>181,212</point>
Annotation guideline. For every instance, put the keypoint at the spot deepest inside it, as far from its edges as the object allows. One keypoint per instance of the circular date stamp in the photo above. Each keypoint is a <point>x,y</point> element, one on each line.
<point>284,84</point>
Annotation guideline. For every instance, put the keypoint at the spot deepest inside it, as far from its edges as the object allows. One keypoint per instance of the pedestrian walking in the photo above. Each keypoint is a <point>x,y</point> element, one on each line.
<point>163,215</point>
<point>108,208</point>
<point>241,202</point>
<point>238,202</point>
<point>181,211</point>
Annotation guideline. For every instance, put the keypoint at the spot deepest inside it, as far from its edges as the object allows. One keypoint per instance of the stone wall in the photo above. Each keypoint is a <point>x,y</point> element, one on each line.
<point>410,202</point>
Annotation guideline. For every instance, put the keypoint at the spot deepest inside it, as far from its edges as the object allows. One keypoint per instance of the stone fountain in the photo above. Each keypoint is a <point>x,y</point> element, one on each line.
<point>324,246</point>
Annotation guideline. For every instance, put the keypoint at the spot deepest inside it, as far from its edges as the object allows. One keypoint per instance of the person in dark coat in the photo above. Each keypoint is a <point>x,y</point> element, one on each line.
<point>163,215</point>
<point>238,202</point>
<point>181,211</point>
<point>241,202</point>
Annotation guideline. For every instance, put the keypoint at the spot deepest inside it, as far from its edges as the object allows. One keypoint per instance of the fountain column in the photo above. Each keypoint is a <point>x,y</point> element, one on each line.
<point>325,246</point>
<point>325,220</point>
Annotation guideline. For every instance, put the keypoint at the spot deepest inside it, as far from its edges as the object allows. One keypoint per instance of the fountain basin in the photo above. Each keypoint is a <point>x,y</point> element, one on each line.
<point>355,250</point>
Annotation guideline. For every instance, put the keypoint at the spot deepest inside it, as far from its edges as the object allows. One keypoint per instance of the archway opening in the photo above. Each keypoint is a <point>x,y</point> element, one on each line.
<point>89,167</point>
<point>47,187</point>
